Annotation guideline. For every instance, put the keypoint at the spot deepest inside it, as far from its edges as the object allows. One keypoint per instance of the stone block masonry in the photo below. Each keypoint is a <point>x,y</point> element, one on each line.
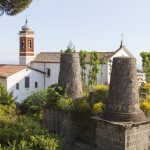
<point>121,136</point>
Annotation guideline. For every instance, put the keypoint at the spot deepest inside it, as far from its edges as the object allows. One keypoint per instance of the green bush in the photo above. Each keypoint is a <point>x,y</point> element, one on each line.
<point>100,93</point>
<point>22,128</point>
<point>97,107</point>
<point>53,94</point>
<point>145,106</point>
<point>32,106</point>
<point>27,132</point>
<point>64,103</point>
<point>8,114</point>
<point>38,142</point>
<point>5,97</point>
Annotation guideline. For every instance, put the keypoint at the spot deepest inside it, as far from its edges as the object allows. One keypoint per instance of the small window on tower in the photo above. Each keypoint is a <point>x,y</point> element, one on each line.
<point>29,43</point>
<point>23,43</point>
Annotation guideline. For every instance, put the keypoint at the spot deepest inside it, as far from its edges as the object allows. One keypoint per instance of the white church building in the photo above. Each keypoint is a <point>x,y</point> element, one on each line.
<point>36,72</point>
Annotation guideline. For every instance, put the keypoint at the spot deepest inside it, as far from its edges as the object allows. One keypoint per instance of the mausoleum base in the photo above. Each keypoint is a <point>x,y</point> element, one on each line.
<point>122,135</point>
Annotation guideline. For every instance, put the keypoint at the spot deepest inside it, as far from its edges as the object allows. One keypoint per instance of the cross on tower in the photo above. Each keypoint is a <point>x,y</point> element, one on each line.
<point>122,36</point>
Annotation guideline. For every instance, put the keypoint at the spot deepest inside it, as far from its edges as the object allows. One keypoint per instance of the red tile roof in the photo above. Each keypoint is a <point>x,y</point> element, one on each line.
<point>8,70</point>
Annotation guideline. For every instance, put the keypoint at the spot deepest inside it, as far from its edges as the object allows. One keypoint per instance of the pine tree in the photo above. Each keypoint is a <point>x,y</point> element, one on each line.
<point>13,7</point>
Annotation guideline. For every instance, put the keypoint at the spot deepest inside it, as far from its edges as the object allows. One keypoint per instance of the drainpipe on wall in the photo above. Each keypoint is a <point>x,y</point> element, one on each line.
<point>44,77</point>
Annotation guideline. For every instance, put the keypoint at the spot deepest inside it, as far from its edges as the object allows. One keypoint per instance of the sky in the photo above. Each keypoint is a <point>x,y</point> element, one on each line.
<point>89,24</point>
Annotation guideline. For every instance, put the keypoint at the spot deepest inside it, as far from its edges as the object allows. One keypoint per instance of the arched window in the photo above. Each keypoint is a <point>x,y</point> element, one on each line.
<point>23,44</point>
<point>29,44</point>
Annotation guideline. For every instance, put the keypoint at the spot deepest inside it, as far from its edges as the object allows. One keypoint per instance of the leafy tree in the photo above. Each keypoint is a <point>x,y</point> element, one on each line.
<point>146,64</point>
<point>13,7</point>
<point>5,97</point>
<point>83,55</point>
<point>93,72</point>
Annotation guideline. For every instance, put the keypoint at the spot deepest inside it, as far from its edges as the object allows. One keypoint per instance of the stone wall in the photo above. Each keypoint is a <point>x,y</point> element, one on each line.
<point>99,134</point>
<point>73,136</point>
<point>138,137</point>
<point>122,136</point>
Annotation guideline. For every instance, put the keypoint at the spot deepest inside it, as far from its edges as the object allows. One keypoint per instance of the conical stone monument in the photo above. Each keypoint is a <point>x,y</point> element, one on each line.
<point>123,99</point>
<point>69,75</point>
<point>123,125</point>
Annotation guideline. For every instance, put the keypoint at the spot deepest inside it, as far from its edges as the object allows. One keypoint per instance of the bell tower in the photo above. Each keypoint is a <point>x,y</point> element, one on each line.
<point>26,54</point>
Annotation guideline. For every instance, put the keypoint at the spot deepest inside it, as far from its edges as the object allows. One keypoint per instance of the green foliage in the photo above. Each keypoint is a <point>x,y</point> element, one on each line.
<point>145,88</point>
<point>38,142</point>
<point>144,91</point>
<point>18,132</point>
<point>100,92</point>
<point>83,55</point>
<point>85,89</point>
<point>145,98</point>
<point>53,94</point>
<point>145,106</point>
<point>81,113</point>
<point>32,106</point>
<point>13,7</point>
<point>97,107</point>
<point>7,114</point>
<point>146,64</point>
<point>22,128</point>
<point>27,133</point>
<point>5,97</point>
<point>64,103</point>
<point>93,72</point>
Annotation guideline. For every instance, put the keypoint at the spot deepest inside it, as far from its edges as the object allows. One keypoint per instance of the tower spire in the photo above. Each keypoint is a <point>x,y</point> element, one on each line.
<point>122,38</point>
<point>26,54</point>
<point>26,21</point>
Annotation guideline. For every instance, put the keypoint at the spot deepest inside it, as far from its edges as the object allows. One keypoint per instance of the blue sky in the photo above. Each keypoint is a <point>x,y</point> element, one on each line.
<point>90,24</point>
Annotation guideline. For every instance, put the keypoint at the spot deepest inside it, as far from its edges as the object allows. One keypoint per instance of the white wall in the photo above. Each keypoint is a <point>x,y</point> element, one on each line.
<point>19,77</point>
<point>141,77</point>
<point>24,60</point>
<point>54,71</point>
<point>121,53</point>
<point>102,74</point>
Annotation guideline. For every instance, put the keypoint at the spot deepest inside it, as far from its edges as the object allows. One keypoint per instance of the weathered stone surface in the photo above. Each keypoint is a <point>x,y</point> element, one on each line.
<point>121,136</point>
<point>123,101</point>
<point>73,137</point>
<point>69,75</point>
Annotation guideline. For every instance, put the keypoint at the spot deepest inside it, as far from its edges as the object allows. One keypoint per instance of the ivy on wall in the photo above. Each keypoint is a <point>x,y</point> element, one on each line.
<point>83,55</point>
<point>93,72</point>
<point>146,64</point>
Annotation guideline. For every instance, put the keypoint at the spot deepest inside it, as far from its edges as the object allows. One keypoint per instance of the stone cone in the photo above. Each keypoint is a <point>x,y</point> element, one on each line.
<point>123,99</point>
<point>69,75</point>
